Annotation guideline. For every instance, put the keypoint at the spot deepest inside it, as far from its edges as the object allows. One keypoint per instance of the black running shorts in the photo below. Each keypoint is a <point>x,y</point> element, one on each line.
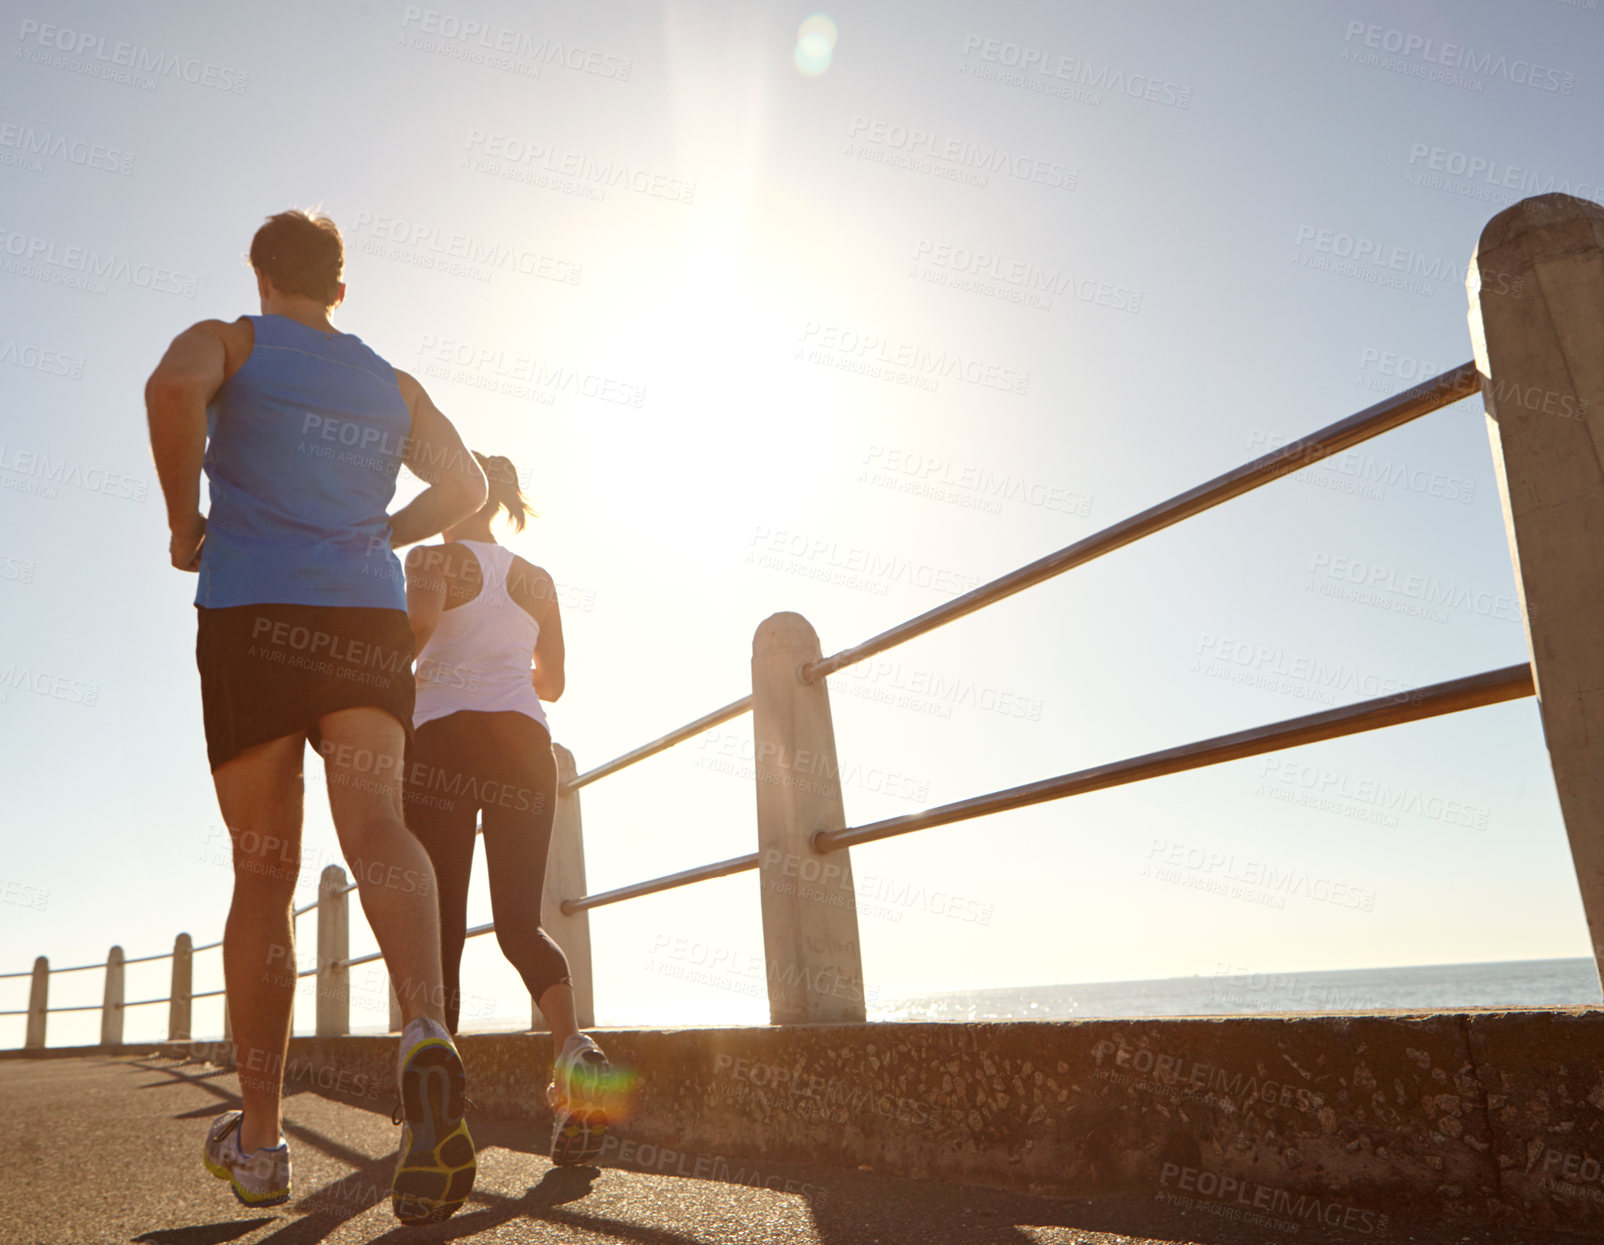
<point>268,671</point>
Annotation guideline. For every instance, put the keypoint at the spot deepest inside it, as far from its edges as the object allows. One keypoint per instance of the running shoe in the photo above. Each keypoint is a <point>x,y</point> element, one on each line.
<point>578,1081</point>
<point>260,1178</point>
<point>436,1167</point>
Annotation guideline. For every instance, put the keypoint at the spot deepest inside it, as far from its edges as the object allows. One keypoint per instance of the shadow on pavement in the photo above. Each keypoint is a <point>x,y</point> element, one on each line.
<point>206,1234</point>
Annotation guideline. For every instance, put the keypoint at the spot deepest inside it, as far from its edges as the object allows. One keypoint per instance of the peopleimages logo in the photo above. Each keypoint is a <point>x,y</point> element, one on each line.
<point>1496,174</point>
<point>1329,785</point>
<point>1040,63</point>
<point>520,375</point>
<point>929,474</point>
<point>915,142</point>
<point>83,50</point>
<point>43,683</point>
<point>864,352</point>
<point>40,145</point>
<point>1427,589</point>
<point>40,359</point>
<point>603,175</point>
<point>1251,1195</point>
<point>487,37</point>
<point>1200,1080</point>
<point>44,472</point>
<point>1369,251</point>
<point>1333,676</point>
<point>33,255</point>
<point>944,260</point>
<point>429,246</point>
<point>1459,58</point>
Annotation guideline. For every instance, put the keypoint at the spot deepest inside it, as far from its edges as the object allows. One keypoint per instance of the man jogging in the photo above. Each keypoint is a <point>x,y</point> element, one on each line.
<point>303,636</point>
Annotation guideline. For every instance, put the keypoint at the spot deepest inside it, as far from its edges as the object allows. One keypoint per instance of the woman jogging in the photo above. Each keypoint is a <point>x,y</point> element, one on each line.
<point>479,613</point>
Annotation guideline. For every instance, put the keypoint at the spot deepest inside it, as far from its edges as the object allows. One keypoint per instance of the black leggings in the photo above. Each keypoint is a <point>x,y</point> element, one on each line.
<point>501,763</point>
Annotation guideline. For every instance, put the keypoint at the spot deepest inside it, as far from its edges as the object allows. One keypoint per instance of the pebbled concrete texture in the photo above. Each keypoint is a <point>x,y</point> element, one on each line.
<point>1345,1120</point>
<point>1543,1080</point>
<point>102,1148</point>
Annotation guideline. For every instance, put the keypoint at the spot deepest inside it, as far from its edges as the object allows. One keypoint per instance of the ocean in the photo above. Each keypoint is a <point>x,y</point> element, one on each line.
<point>1509,983</point>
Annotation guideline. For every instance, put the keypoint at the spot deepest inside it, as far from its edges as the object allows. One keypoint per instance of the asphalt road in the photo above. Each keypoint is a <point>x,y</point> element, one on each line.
<point>107,1149</point>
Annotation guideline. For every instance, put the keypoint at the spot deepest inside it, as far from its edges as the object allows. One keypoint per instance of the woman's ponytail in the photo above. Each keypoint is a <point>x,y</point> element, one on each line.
<point>505,493</point>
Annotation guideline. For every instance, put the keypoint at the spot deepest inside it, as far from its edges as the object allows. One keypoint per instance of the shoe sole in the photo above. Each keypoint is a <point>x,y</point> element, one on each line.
<point>242,1197</point>
<point>578,1135</point>
<point>437,1165</point>
<point>578,1138</point>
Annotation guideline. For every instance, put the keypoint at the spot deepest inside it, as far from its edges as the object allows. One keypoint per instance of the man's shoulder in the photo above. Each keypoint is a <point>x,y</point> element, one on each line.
<point>227,330</point>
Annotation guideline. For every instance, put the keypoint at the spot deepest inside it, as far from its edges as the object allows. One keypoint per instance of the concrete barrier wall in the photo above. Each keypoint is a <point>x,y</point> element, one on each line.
<point>1344,1120</point>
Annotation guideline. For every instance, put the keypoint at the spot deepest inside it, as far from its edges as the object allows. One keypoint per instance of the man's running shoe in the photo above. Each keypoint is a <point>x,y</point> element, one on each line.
<point>578,1081</point>
<point>260,1178</point>
<point>436,1167</point>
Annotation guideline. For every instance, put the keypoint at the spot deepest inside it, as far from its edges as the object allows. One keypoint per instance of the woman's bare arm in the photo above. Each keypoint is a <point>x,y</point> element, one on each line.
<point>536,592</point>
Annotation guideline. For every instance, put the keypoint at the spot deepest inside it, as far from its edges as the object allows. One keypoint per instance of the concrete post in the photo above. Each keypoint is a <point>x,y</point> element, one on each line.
<point>178,1002</point>
<point>810,914</point>
<point>395,1009</point>
<point>1536,287</point>
<point>333,949</point>
<point>565,879</point>
<point>38,1001</point>
<point>228,1023</point>
<point>111,1006</point>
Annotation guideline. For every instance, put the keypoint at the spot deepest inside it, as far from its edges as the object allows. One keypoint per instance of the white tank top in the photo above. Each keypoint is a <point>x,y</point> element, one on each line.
<point>479,655</point>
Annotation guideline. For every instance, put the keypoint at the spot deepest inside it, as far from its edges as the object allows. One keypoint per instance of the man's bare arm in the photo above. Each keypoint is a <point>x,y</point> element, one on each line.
<point>437,456</point>
<point>176,397</point>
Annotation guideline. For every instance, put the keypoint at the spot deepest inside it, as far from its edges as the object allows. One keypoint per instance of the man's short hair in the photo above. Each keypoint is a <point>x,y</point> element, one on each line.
<point>301,254</point>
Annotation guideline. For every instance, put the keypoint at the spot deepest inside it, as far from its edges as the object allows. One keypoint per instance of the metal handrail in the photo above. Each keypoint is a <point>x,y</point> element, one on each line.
<point>145,959</point>
<point>719,869</point>
<point>1489,688</point>
<point>1400,409</point>
<point>295,912</point>
<point>361,959</point>
<point>139,959</point>
<point>1452,696</point>
<point>705,723</point>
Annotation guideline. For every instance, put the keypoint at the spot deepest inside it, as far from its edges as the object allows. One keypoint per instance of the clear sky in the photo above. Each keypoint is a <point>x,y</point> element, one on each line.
<point>767,333</point>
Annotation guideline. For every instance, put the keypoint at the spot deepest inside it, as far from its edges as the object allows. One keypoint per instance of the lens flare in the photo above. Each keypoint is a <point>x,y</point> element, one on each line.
<point>815,45</point>
<point>818,24</point>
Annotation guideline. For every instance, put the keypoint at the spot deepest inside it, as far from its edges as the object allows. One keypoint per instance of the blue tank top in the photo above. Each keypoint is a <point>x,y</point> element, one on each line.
<point>304,442</point>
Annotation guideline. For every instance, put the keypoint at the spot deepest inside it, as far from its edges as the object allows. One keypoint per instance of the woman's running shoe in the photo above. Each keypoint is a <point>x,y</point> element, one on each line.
<point>579,1080</point>
<point>260,1178</point>
<point>436,1168</point>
